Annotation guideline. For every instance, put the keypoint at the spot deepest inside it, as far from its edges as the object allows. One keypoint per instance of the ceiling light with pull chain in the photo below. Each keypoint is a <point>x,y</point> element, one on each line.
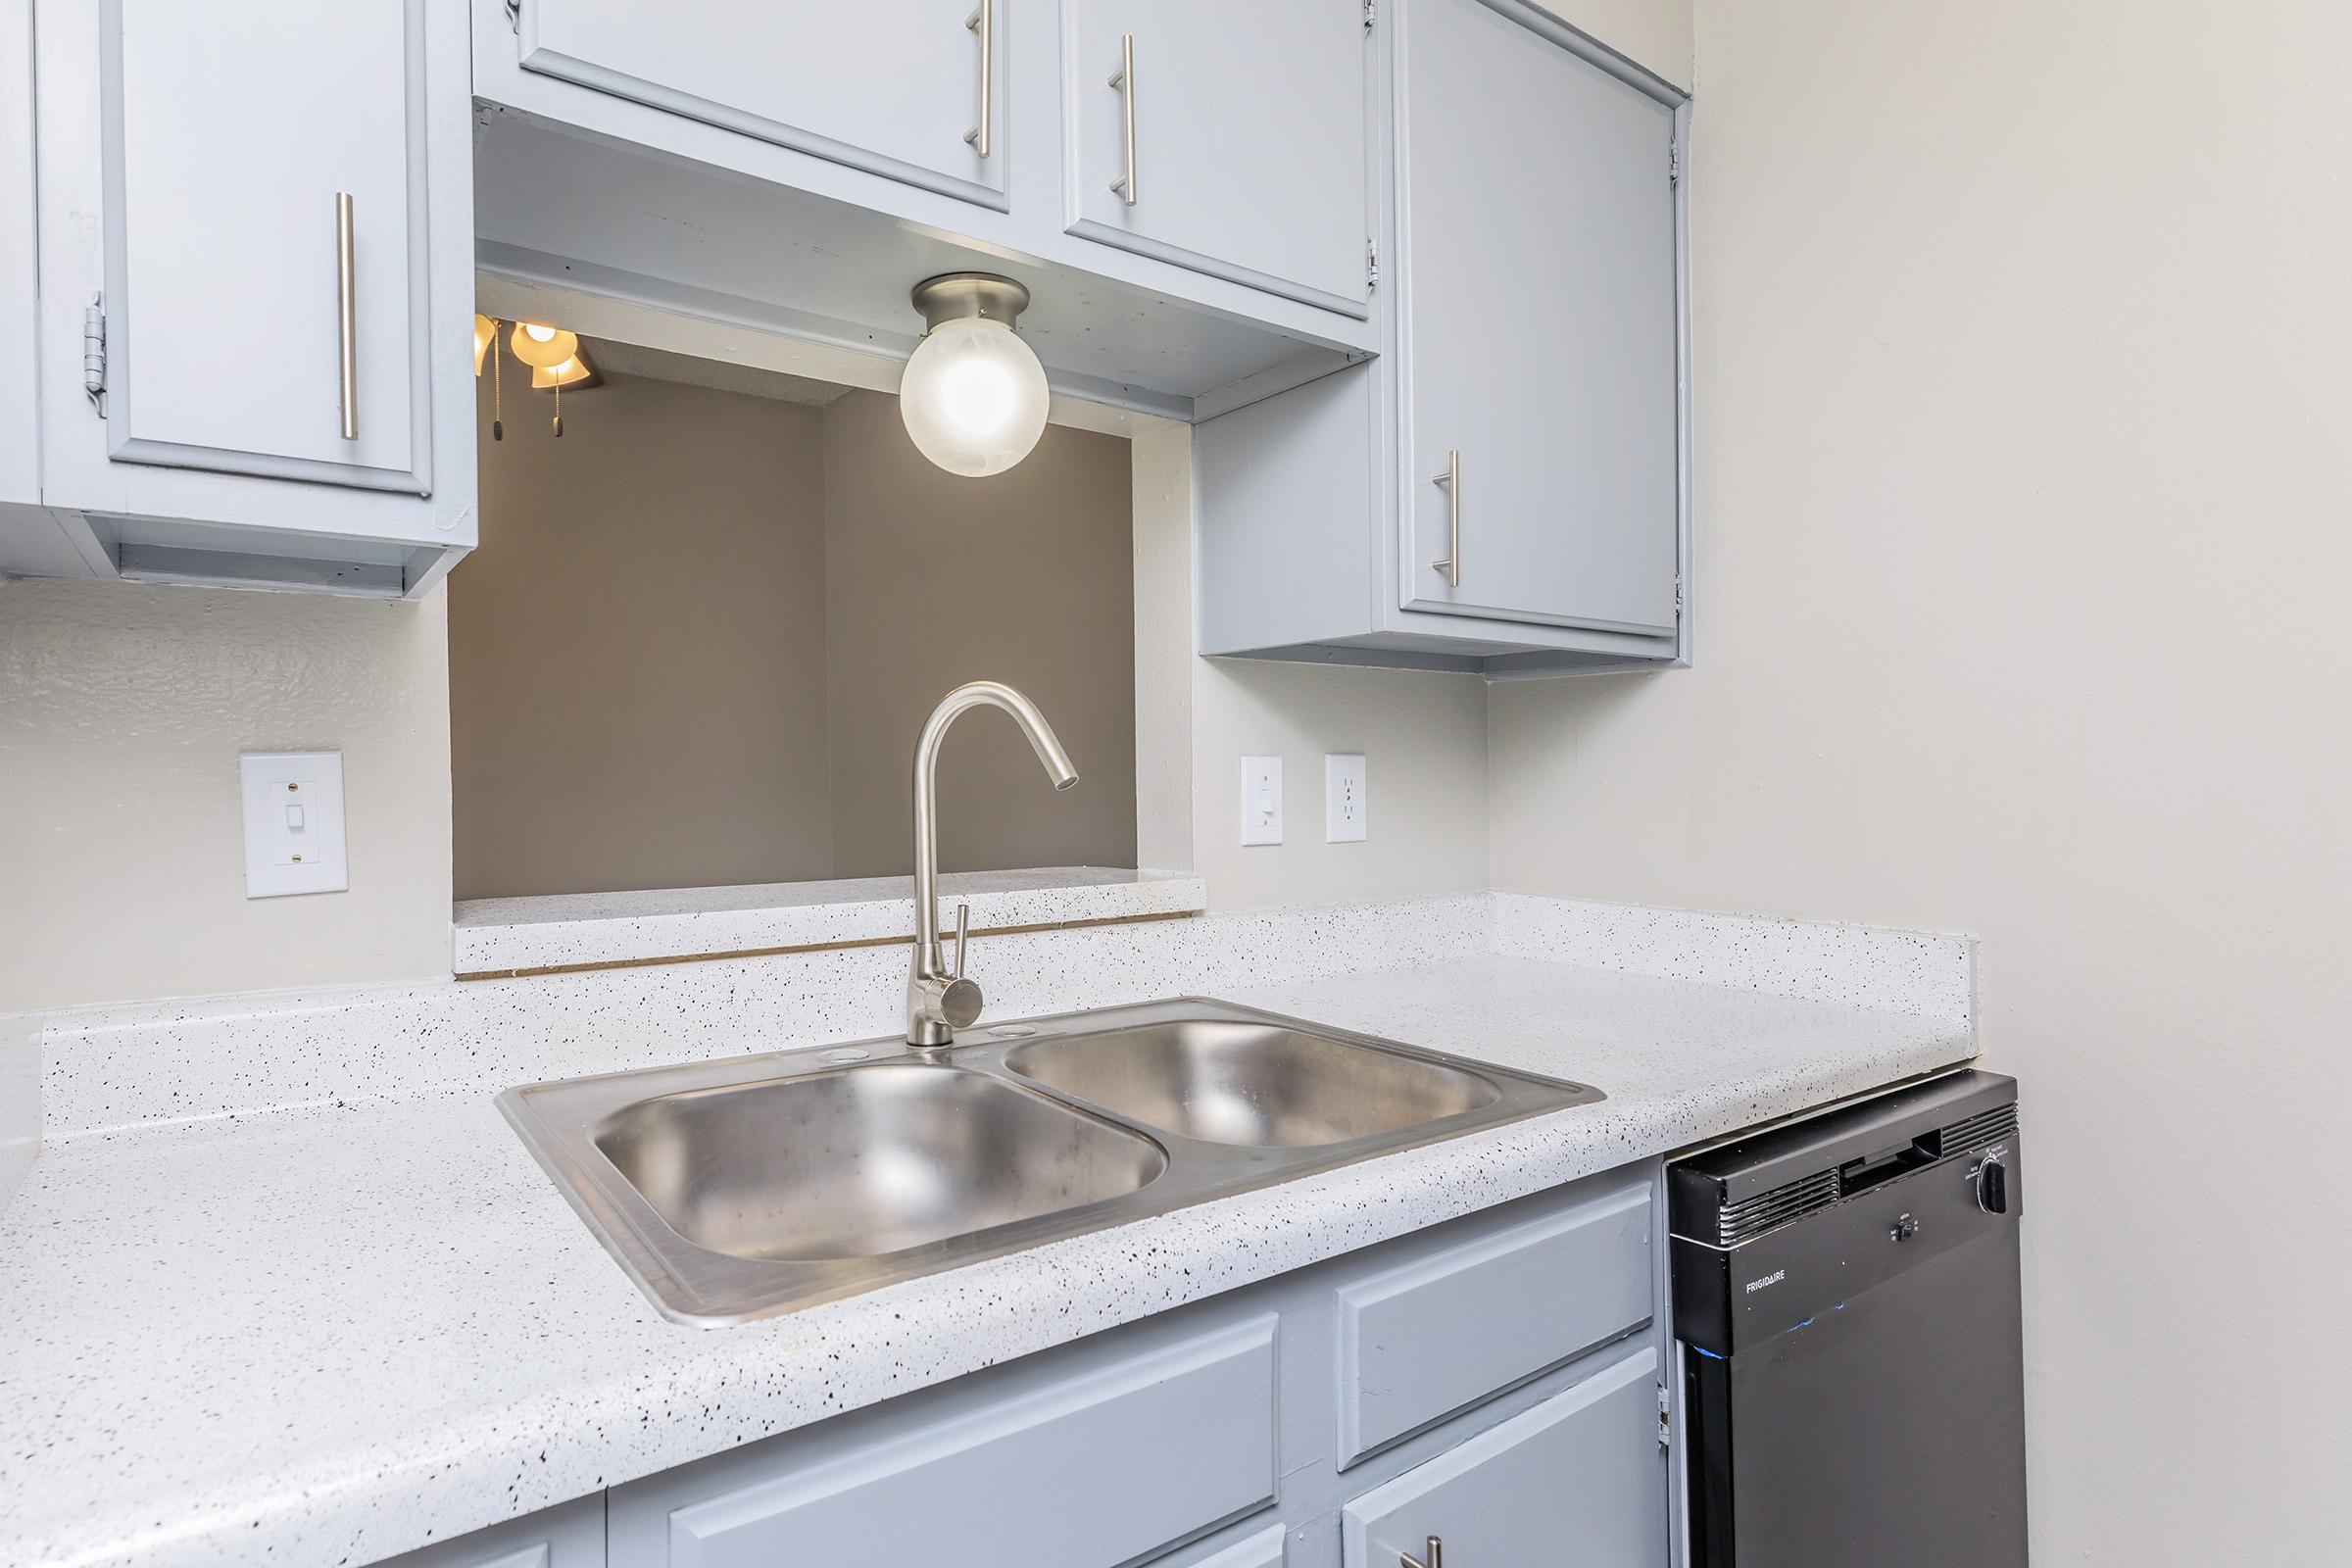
<point>552,353</point>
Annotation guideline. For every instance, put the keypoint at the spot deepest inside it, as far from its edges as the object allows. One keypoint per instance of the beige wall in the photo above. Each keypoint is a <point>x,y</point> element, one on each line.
<point>931,580</point>
<point>637,649</point>
<point>123,708</point>
<point>2024,411</point>
<point>1423,737</point>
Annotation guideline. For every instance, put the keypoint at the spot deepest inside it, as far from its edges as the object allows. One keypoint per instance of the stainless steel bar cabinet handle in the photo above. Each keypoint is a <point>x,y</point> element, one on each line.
<point>1436,1557</point>
<point>1123,80</point>
<point>984,22</point>
<point>1451,480</point>
<point>346,312</point>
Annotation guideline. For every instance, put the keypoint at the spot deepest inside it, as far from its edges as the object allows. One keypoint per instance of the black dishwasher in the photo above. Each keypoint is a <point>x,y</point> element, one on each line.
<point>1845,1292</point>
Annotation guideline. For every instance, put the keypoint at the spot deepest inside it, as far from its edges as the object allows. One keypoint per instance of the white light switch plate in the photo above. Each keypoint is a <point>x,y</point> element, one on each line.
<point>1261,799</point>
<point>293,822</point>
<point>1343,802</point>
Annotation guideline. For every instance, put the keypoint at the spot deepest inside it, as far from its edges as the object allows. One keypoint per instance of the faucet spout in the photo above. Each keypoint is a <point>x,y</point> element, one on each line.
<point>940,1000</point>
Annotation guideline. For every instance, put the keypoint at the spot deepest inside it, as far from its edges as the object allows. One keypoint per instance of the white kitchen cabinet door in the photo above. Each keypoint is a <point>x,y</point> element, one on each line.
<point>24,525</point>
<point>189,168</point>
<point>1537,212</point>
<point>231,133</point>
<point>1577,1479</point>
<point>1248,140</point>
<point>890,86</point>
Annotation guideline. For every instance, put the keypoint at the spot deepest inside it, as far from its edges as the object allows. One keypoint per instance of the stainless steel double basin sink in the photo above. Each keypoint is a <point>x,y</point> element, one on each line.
<point>742,1189</point>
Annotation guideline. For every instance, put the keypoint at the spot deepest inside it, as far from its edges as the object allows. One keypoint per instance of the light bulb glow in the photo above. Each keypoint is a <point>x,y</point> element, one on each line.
<point>973,396</point>
<point>542,345</point>
<point>976,396</point>
<point>484,331</point>
<point>564,374</point>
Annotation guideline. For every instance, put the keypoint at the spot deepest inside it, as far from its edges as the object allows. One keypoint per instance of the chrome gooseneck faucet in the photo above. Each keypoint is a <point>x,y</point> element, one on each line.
<point>939,1000</point>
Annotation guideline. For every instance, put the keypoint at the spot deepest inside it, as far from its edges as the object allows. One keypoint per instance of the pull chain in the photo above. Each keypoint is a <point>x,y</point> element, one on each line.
<point>559,410</point>
<point>498,389</point>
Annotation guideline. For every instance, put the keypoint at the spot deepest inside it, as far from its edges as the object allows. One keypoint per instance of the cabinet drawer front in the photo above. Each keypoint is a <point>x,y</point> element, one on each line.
<point>1578,1479</point>
<point>1438,1335</point>
<point>1103,1467</point>
<point>891,89</point>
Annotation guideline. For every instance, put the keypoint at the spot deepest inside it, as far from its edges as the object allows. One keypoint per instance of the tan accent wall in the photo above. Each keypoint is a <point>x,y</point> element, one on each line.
<point>637,647</point>
<point>704,627</point>
<point>1027,577</point>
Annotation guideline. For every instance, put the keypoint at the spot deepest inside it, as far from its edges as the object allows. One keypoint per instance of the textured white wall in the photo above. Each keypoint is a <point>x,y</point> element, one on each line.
<point>123,708</point>
<point>2024,400</point>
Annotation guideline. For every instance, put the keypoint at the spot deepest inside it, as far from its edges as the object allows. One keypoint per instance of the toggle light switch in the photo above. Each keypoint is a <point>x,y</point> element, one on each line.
<point>293,822</point>
<point>1261,799</point>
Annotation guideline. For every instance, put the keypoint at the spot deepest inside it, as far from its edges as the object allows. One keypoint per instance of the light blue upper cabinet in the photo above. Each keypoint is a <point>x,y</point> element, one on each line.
<point>1243,127</point>
<point>19,293</point>
<point>797,165</point>
<point>895,89</point>
<point>255,261</point>
<point>237,160</point>
<point>1536,264</point>
<point>1504,489</point>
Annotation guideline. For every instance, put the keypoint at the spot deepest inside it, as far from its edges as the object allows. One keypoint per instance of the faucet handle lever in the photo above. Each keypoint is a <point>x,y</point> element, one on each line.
<point>964,931</point>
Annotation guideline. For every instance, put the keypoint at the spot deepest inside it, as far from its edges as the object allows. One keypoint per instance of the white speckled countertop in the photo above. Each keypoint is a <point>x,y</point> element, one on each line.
<point>337,1331</point>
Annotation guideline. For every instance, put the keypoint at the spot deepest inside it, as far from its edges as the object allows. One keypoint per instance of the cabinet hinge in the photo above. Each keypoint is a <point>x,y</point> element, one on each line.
<point>1371,263</point>
<point>1371,14</point>
<point>93,352</point>
<point>1678,596</point>
<point>1665,1419</point>
<point>1674,163</point>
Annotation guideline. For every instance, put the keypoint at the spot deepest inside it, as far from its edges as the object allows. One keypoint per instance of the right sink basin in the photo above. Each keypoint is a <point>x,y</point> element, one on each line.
<point>1259,1085</point>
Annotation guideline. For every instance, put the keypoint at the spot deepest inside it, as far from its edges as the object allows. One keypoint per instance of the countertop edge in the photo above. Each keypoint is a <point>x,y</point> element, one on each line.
<point>508,936</point>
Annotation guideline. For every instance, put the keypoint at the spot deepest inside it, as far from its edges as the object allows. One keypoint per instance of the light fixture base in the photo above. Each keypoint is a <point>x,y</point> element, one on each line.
<point>959,296</point>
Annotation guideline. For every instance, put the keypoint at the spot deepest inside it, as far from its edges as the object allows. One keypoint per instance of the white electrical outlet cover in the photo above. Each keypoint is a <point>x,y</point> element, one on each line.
<point>293,822</point>
<point>1261,799</point>
<point>1343,802</point>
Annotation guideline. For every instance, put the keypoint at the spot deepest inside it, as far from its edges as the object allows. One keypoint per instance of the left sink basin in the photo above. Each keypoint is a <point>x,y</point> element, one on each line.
<point>859,1162</point>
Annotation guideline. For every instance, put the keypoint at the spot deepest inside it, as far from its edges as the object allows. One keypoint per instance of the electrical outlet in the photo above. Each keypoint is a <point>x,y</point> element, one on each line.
<point>1344,800</point>
<point>1261,799</point>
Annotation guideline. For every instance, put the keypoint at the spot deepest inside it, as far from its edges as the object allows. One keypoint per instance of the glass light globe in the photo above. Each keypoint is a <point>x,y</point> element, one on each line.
<point>973,396</point>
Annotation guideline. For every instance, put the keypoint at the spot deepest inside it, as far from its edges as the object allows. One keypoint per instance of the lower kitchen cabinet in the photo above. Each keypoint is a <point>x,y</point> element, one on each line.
<point>1094,1459</point>
<point>570,1535</point>
<point>1579,1478</point>
<point>1493,1381</point>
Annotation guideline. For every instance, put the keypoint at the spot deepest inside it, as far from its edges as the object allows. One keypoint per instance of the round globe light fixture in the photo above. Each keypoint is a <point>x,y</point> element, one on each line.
<point>974,394</point>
